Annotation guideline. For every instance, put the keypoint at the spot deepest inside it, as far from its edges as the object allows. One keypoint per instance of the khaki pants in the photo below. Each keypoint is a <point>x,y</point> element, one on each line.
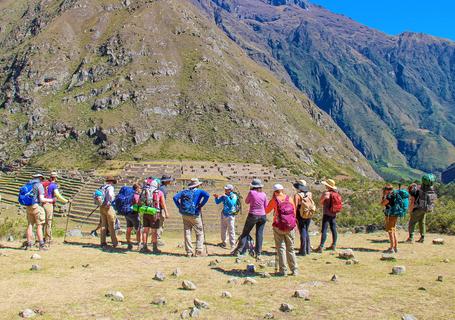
<point>193,223</point>
<point>108,220</point>
<point>49,208</point>
<point>228,230</point>
<point>35,215</point>
<point>284,244</point>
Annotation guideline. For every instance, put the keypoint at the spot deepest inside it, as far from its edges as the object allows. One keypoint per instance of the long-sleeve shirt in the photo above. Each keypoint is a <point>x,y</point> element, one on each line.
<point>257,201</point>
<point>53,192</point>
<point>229,204</point>
<point>109,194</point>
<point>200,199</point>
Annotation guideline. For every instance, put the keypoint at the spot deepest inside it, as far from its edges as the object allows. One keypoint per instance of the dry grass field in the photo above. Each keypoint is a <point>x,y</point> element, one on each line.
<point>75,277</point>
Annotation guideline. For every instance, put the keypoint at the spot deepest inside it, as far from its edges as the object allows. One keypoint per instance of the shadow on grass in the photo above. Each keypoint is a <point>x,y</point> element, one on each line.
<point>236,272</point>
<point>362,249</point>
<point>378,240</point>
<point>96,246</point>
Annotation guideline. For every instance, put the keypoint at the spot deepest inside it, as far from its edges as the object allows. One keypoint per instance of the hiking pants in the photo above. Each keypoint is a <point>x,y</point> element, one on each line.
<point>228,230</point>
<point>251,221</point>
<point>193,223</point>
<point>284,244</point>
<point>326,222</point>
<point>49,209</point>
<point>108,217</point>
<point>304,226</point>
<point>418,216</point>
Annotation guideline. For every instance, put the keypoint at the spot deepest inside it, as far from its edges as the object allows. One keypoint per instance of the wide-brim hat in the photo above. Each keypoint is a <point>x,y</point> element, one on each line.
<point>54,174</point>
<point>256,183</point>
<point>194,183</point>
<point>111,179</point>
<point>278,187</point>
<point>166,178</point>
<point>38,175</point>
<point>330,183</point>
<point>301,185</point>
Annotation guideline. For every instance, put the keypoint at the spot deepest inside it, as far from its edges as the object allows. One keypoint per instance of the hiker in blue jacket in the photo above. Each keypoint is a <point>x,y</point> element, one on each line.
<point>231,208</point>
<point>190,202</point>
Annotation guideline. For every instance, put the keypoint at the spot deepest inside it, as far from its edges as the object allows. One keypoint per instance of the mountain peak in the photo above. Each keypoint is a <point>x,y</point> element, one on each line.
<point>301,3</point>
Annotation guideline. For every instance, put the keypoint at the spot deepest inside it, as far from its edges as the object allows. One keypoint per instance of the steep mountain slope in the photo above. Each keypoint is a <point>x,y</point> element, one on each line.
<point>86,80</point>
<point>393,96</point>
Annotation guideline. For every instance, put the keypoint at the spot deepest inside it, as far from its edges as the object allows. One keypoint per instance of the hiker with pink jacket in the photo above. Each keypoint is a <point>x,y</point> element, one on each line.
<point>284,225</point>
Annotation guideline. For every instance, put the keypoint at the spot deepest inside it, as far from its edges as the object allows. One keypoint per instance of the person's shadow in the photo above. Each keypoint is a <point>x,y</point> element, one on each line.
<point>236,272</point>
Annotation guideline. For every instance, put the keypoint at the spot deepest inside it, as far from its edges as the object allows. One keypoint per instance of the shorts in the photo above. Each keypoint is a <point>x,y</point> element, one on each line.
<point>36,215</point>
<point>133,221</point>
<point>391,223</point>
<point>151,221</point>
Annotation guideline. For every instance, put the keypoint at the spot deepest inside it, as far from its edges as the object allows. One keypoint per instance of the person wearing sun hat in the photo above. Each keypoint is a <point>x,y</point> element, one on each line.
<point>329,199</point>
<point>107,212</point>
<point>190,202</point>
<point>305,209</point>
<point>230,209</point>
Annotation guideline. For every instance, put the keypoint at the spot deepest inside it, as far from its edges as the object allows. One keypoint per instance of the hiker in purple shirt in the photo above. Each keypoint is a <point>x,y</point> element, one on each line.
<point>256,217</point>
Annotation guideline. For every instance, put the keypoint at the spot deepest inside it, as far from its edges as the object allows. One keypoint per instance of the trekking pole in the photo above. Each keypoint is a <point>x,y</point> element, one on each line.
<point>203,231</point>
<point>67,220</point>
<point>93,211</point>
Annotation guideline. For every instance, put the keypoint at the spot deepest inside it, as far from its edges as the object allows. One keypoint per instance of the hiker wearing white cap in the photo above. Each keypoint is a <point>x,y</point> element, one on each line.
<point>331,203</point>
<point>305,209</point>
<point>231,207</point>
<point>32,195</point>
<point>51,191</point>
<point>284,225</point>
<point>190,202</point>
<point>256,217</point>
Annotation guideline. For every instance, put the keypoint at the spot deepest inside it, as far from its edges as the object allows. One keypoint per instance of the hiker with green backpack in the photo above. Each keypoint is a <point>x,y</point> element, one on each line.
<point>423,200</point>
<point>231,201</point>
<point>396,204</point>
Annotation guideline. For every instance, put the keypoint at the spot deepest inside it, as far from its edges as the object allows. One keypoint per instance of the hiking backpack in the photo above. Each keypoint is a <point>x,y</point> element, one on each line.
<point>27,194</point>
<point>124,200</point>
<point>150,198</point>
<point>238,205</point>
<point>99,195</point>
<point>426,199</point>
<point>398,203</point>
<point>187,206</point>
<point>307,206</point>
<point>285,218</point>
<point>249,246</point>
<point>336,203</point>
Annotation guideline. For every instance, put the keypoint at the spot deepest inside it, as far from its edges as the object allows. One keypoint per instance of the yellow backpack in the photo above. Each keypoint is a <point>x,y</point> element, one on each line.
<point>307,206</point>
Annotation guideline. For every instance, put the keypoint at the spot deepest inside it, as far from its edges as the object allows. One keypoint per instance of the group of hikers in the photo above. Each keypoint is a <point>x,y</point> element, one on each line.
<point>145,210</point>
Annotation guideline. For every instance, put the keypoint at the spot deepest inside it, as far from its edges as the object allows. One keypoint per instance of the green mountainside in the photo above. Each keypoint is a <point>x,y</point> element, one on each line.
<point>85,81</point>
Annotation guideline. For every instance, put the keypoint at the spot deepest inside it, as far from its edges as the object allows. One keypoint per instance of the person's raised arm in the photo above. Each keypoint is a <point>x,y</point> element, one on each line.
<point>219,199</point>
<point>271,206</point>
<point>60,197</point>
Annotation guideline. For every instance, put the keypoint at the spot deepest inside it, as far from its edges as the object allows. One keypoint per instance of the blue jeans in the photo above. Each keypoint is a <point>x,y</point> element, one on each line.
<point>326,222</point>
<point>251,221</point>
<point>304,225</point>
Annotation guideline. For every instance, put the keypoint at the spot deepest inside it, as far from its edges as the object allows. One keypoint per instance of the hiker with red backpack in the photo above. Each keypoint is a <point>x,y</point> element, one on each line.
<point>190,203</point>
<point>152,198</point>
<point>284,225</point>
<point>332,204</point>
<point>51,191</point>
<point>305,209</point>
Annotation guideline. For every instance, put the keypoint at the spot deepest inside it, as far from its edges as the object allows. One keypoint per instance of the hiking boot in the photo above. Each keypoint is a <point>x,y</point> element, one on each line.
<point>409,240</point>
<point>145,249</point>
<point>421,240</point>
<point>319,249</point>
<point>155,249</point>
<point>281,274</point>
<point>390,250</point>
<point>395,249</point>
<point>43,247</point>
<point>295,273</point>
<point>331,248</point>
<point>130,246</point>
<point>235,253</point>
<point>27,245</point>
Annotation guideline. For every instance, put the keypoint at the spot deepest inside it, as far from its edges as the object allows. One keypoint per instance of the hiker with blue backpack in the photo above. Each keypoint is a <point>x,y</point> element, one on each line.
<point>396,204</point>
<point>284,225</point>
<point>231,208</point>
<point>190,203</point>
<point>31,195</point>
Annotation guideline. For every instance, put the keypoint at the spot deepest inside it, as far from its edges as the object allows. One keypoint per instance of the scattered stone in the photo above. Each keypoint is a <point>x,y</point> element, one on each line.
<point>161,301</point>
<point>269,315</point>
<point>286,307</point>
<point>271,263</point>
<point>440,278</point>
<point>115,296</point>
<point>422,289</point>
<point>74,233</point>
<point>195,312</point>
<point>388,257</point>
<point>446,260</point>
<point>265,275</point>
<point>408,317</point>
<point>185,314</point>
<point>438,241</point>
<point>334,278</point>
<point>226,294</point>
<point>238,260</point>
<point>328,262</point>
<point>11,239</point>
<point>355,261</point>
<point>251,268</point>
<point>35,256</point>
<point>200,304</point>
<point>249,281</point>
<point>346,254</point>
<point>86,265</point>
<point>159,276</point>
<point>188,285</point>
<point>177,272</point>
<point>27,313</point>
<point>397,270</point>
<point>233,280</point>
<point>35,267</point>
<point>302,294</point>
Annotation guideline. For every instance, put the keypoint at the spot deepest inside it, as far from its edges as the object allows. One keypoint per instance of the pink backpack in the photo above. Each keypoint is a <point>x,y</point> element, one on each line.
<point>285,219</point>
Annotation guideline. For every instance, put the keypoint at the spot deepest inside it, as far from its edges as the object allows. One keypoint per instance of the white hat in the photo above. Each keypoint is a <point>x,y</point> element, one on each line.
<point>278,187</point>
<point>194,183</point>
<point>54,174</point>
<point>38,175</point>
<point>229,187</point>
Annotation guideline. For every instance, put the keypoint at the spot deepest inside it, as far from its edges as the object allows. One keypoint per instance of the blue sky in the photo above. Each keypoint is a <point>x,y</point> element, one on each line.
<point>436,17</point>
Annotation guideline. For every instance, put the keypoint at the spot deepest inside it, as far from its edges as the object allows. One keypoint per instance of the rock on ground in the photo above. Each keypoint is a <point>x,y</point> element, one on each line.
<point>438,241</point>
<point>388,257</point>
<point>226,294</point>
<point>27,313</point>
<point>159,276</point>
<point>188,285</point>
<point>334,278</point>
<point>249,281</point>
<point>302,294</point>
<point>346,254</point>
<point>233,280</point>
<point>195,312</point>
<point>115,296</point>
<point>177,272</point>
<point>35,256</point>
<point>161,301</point>
<point>440,278</point>
<point>269,315</point>
<point>408,317</point>
<point>265,275</point>
<point>11,239</point>
<point>35,267</point>
<point>185,314</point>
<point>200,304</point>
<point>286,307</point>
<point>398,270</point>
